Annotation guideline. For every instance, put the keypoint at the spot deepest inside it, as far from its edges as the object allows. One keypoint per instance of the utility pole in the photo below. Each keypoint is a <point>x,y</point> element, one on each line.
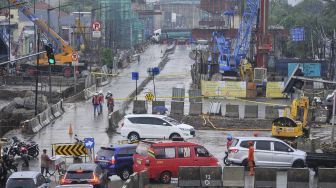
<point>333,120</point>
<point>37,70</point>
<point>48,11</point>
<point>9,34</point>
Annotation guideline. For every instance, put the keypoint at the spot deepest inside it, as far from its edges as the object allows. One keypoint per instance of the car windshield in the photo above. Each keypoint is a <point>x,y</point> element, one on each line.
<point>234,142</point>
<point>84,175</point>
<point>142,149</point>
<point>106,152</point>
<point>20,183</point>
<point>171,121</point>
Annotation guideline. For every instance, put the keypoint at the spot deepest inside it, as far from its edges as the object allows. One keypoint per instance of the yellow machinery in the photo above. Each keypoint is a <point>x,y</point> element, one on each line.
<point>246,71</point>
<point>81,30</point>
<point>295,125</point>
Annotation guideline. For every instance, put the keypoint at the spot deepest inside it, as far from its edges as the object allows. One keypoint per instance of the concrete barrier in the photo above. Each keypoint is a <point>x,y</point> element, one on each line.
<point>265,177</point>
<point>326,178</point>
<point>57,109</point>
<point>143,179</point>
<point>211,176</point>
<point>189,176</point>
<point>195,108</point>
<point>177,107</point>
<point>232,111</point>
<point>178,94</point>
<point>251,111</point>
<point>195,95</point>
<point>32,126</point>
<point>46,117</point>
<point>271,112</point>
<point>233,176</point>
<point>156,104</point>
<point>298,178</point>
<point>139,107</point>
<point>215,108</point>
<point>114,119</point>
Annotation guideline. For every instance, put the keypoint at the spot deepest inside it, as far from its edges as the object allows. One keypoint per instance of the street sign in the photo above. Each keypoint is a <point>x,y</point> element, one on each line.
<point>153,71</point>
<point>135,75</point>
<point>96,34</point>
<point>298,34</point>
<point>149,96</point>
<point>74,56</point>
<point>96,26</point>
<point>70,149</point>
<point>89,143</point>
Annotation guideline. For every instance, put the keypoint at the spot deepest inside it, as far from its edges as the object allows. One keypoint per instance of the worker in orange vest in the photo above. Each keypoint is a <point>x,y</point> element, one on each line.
<point>251,158</point>
<point>110,101</point>
<point>95,103</point>
<point>101,101</point>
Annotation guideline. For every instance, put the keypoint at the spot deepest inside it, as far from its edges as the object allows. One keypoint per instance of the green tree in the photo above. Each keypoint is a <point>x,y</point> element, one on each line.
<point>106,56</point>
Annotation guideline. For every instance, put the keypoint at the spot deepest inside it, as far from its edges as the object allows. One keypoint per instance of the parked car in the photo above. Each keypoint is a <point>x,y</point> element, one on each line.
<point>75,186</point>
<point>268,151</point>
<point>117,159</point>
<point>162,158</point>
<point>27,179</point>
<point>139,126</point>
<point>85,173</point>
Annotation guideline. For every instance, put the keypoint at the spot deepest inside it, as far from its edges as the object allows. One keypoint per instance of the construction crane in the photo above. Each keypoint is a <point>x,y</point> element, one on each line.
<point>80,28</point>
<point>63,58</point>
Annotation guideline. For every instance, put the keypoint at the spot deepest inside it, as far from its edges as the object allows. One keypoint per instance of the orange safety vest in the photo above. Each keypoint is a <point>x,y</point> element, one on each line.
<point>251,153</point>
<point>95,100</point>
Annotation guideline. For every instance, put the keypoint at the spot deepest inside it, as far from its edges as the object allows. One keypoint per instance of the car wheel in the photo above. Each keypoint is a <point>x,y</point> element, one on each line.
<point>125,174</point>
<point>133,137</point>
<point>298,164</point>
<point>174,135</point>
<point>245,164</point>
<point>165,177</point>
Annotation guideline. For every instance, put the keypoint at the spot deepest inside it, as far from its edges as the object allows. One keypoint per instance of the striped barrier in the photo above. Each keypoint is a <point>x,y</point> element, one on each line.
<point>57,109</point>
<point>31,126</point>
<point>46,117</point>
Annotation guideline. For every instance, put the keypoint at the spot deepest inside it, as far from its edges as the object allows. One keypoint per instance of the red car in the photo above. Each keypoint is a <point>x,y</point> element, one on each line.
<point>163,158</point>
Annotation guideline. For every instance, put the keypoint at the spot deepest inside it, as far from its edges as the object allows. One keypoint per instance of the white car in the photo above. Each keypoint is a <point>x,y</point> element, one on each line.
<point>139,126</point>
<point>268,151</point>
<point>27,179</point>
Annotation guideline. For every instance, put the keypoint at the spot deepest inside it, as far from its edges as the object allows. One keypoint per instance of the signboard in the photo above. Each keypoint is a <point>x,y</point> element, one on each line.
<point>89,143</point>
<point>70,149</point>
<point>135,75</point>
<point>223,89</point>
<point>96,26</point>
<point>297,34</point>
<point>309,69</point>
<point>274,89</point>
<point>96,34</point>
<point>149,96</point>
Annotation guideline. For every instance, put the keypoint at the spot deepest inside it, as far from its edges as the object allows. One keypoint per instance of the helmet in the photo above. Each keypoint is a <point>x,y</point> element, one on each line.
<point>95,94</point>
<point>109,92</point>
<point>101,91</point>
<point>229,137</point>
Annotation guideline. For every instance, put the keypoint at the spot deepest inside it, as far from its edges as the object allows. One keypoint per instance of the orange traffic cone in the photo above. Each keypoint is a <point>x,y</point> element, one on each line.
<point>70,129</point>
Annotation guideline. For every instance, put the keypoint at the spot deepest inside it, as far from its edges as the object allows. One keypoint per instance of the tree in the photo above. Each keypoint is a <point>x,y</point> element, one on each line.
<point>107,56</point>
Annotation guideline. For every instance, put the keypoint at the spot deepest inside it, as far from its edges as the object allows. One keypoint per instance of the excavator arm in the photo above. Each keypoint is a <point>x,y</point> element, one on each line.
<point>67,50</point>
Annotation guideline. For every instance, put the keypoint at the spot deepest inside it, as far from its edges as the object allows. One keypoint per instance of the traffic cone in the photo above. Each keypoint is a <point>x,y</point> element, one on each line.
<point>70,129</point>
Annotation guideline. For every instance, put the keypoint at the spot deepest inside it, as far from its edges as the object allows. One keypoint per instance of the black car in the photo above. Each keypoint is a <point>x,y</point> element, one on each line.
<point>85,173</point>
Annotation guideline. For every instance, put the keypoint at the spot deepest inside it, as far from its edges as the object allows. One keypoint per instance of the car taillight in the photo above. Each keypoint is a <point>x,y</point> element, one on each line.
<point>234,150</point>
<point>95,179</point>
<point>112,160</point>
<point>64,181</point>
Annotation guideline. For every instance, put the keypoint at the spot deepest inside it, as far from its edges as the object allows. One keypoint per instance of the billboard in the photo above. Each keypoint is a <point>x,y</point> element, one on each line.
<point>309,69</point>
<point>223,89</point>
<point>274,89</point>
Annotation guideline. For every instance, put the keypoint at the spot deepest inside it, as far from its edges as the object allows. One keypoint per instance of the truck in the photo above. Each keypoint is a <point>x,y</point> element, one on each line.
<point>63,51</point>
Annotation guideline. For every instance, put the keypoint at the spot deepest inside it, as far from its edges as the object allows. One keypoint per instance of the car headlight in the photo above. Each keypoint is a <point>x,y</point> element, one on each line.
<point>183,129</point>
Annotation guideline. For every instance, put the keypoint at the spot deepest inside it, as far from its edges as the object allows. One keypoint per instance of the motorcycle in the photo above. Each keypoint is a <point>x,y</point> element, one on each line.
<point>8,161</point>
<point>33,149</point>
<point>18,147</point>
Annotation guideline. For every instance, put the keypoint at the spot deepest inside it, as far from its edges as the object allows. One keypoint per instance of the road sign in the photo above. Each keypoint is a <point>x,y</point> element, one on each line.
<point>74,56</point>
<point>70,149</point>
<point>153,71</point>
<point>89,143</point>
<point>135,75</point>
<point>96,34</point>
<point>149,96</point>
<point>96,26</point>
<point>298,34</point>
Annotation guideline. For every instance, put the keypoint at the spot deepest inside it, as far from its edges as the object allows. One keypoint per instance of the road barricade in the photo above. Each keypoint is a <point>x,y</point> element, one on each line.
<point>298,178</point>
<point>233,176</point>
<point>57,109</point>
<point>69,149</point>
<point>139,107</point>
<point>232,111</point>
<point>189,176</point>
<point>177,108</point>
<point>46,117</point>
<point>211,176</point>
<point>326,178</point>
<point>195,108</point>
<point>251,111</point>
<point>32,125</point>
<point>265,177</point>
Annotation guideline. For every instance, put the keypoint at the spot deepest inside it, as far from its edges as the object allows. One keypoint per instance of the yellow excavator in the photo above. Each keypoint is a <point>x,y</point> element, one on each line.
<point>296,125</point>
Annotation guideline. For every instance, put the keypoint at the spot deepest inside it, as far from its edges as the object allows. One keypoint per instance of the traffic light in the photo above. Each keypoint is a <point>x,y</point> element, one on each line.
<point>50,54</point>
<point>294,82</point>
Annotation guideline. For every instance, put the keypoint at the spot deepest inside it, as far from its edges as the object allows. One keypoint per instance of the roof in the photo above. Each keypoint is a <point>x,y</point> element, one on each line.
<point>169,143</point>
<point>24,174</point>
<point>257,138</point>
<point>82,166</point>
<point>145,115</point>
<point>120,146</point>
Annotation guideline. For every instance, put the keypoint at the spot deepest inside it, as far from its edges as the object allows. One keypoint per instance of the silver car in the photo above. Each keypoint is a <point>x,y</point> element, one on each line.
<point>268,151</point>
<point>27,179</point>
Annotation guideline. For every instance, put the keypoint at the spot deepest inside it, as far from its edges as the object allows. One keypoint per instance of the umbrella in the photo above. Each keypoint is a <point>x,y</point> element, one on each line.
<point>161,109</point>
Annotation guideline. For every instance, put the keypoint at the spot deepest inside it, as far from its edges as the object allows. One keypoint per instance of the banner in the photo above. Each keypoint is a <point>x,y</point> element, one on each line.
<point>223,88</point>
<point>274,89</point>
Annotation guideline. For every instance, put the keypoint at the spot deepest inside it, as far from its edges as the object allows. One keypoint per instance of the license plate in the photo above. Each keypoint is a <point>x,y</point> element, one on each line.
<point>139,161</point>
<point>103,163</point>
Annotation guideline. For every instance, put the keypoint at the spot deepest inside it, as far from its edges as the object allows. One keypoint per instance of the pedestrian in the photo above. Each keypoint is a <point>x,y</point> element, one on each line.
<point>251,158</point>
<point>45,162</point>
<point>110,101</point>
<point>228,142</point>
<point>101,101</point>
<point>95,103</point>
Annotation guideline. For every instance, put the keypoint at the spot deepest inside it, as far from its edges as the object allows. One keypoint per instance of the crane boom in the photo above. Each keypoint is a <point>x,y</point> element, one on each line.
<point>27,11</point>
